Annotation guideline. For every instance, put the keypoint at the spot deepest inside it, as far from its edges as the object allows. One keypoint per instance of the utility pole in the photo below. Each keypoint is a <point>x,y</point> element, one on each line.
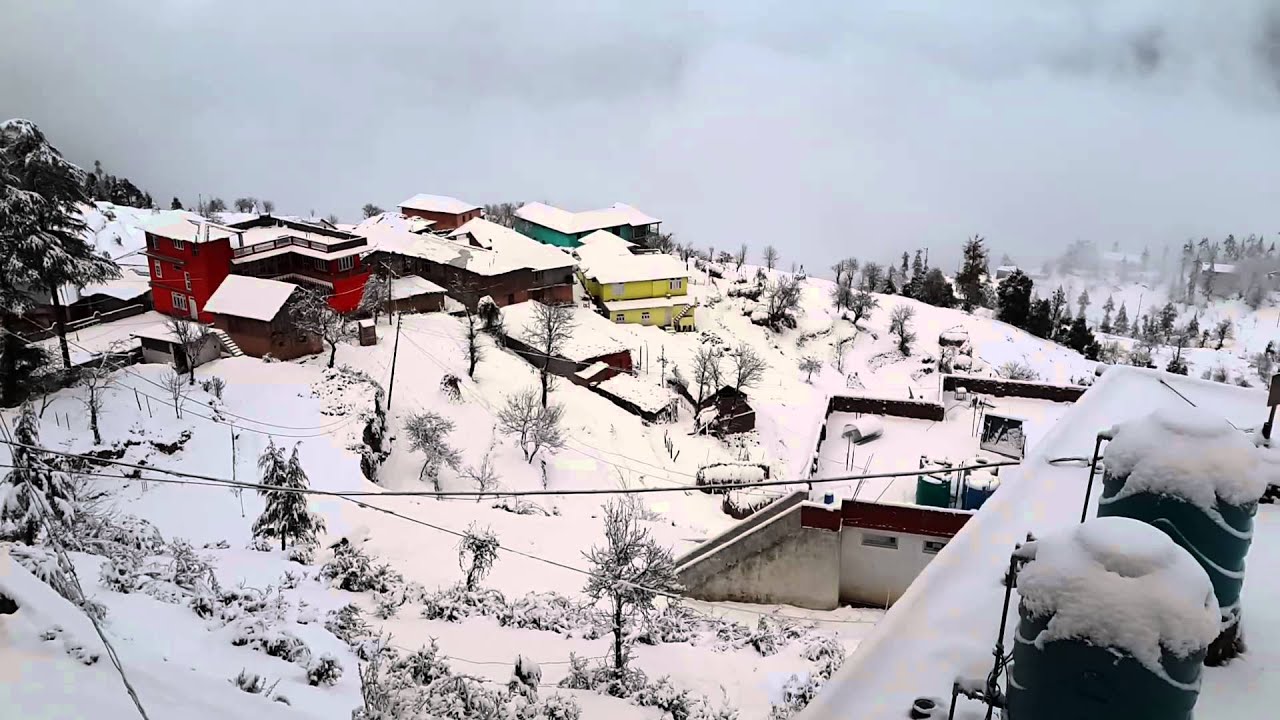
<point>391,384</point>
<point>663,377</point>
<point>238,491</point>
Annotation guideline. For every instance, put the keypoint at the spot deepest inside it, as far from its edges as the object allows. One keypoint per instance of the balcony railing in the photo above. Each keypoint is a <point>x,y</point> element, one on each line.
<point>299,242</point>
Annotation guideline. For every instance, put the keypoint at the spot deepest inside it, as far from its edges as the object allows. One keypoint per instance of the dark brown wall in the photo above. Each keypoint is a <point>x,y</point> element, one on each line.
<point>918,409</point>
<point>427,302</point>
<point>1013,388</point>
<point>444,221</point>
<point>256,339</point>
<point>913,519</point>
<point>507,289</point>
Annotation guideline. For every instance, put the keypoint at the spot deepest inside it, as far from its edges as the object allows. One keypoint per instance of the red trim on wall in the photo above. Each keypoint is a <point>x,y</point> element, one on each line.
<point>821,518</point>
<point>914,519</point>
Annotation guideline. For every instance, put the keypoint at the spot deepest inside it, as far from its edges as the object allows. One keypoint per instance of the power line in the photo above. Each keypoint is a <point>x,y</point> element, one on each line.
<point>38,501</point>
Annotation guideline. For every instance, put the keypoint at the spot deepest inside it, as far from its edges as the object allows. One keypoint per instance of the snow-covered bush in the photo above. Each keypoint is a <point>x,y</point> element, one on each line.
<point>525,676</point>
<point>258,634</point>
<point>729,473</point>
<point>386,605</point>
<point>675,623</point>
<point>121,573</point>
<point>48,568</point>
<point>1139,357</point>
<point>581,675</point>
<point>107,533</point>
<point>520,506</point>
<point>428,432</point>
<point>451,386</point>
<point>302,554</point>
<point>456,603</point>
<point>252,683</point>
<point>666,697</point>
<point>353,570</point>
<point>547,611</point>
<point>424,665</point>
<point>347,623</point>
<point>214,385</point>
<point>820,648</point>
<point>1014,370</point>
<point>477,551</point>
<point>741,503</point>
<point>797,692</point>
<point>324,671</point>
<point>558,707</point>
<point>458,697</point>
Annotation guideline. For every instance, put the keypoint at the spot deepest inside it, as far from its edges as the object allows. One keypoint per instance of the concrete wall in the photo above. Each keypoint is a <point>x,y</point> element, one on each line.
<point>778,561</point>
<point>1000,387</point>
<point>877,576</point>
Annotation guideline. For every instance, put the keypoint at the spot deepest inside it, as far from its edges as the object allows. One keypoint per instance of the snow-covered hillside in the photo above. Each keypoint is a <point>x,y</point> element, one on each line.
<point>169,636</point>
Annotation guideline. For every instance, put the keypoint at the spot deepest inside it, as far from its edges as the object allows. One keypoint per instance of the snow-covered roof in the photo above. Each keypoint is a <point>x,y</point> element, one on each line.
<point>439,203</point>
<point>571,223</point>
<point>131,284</point>
<point>412,286</point>
<point>592,370</point>
<point>642,303</point>
<point>511,250</point>
<point>592,336</point>
<point>394,220</point>
<point>1221,268</point>
<point>646,395</point>
<point>635,268</point>
<point>945,624</point>
<point>249,297</point>
<point>158,331</point>
<point>189,228</point>
<point>608,239</point>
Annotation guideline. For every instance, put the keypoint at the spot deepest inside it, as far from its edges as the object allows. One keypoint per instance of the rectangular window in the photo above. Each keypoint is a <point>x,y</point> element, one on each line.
<point>889,542</point>
<point>676,284</point>
<point>179,301</point>
<point>322,264</point>
<point>620,317</point>
<point>186,277</point>
<point>195,249</point>
<point>178,244</point>
<point>933,547</point>
<point>644,316</point>
<point>346,263</point>
<point>159,269</point>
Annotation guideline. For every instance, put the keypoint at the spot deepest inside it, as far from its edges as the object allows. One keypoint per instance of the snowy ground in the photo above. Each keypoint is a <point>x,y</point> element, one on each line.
<point>324,414</point>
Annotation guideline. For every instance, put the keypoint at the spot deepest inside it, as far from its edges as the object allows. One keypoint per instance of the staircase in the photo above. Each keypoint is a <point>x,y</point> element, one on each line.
<point>228,345</point>
<point>675,321</point>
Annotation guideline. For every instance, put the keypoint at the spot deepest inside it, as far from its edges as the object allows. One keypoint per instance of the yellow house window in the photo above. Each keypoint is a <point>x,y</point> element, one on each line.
<point>675,284</point>
<point>621,317</point>
<point>644,316</point>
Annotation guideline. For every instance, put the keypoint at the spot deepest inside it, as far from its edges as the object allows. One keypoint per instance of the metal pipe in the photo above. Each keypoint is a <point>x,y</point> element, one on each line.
<point>1093,468</point>
<point>992,689</point>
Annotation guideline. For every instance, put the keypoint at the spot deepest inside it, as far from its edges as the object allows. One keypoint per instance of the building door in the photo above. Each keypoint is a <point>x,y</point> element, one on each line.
<point>191,305</point>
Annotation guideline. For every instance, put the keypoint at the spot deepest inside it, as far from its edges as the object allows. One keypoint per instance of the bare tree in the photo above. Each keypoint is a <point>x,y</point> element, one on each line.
<point>872,276</point>
<point>842,293</point>
<point>630,570</point>
<point>782,300</point>
<point>770,256</point>
<point>748,367</point>
<point>369,210</point>
<point>861,304</point>
<point>191,338</point>
<point>1222,331</point>
<point>900,326</point>
<point>809,366</point>
<point>663,243</point>
<point>706,371</point>
<point>376,295</point>
<point>97,380</point>
<point>311,314</point>
<point>428,431</point>
<point>477,551</point>
<point>550,331</point>
<point>173,382</point>
<point>475,351</point>
<point>332,219</point>
<point>246,204</point>
<point>484,475</point>
<point>268,206</point>
<point>535,426</point>
<point>741,257</point>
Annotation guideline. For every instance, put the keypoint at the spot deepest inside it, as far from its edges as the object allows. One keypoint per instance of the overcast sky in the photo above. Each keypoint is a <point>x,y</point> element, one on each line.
<point>827,128</point>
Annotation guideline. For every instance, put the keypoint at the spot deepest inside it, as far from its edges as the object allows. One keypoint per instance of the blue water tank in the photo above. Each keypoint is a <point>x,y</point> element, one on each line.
<point>979,486</point>
<point>1085,666</point>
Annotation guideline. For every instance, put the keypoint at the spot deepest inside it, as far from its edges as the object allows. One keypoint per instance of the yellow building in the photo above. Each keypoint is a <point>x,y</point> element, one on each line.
<point>647,289</point>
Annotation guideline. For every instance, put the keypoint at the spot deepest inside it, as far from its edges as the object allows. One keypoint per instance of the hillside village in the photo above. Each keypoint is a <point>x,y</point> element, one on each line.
<point>461,460</point>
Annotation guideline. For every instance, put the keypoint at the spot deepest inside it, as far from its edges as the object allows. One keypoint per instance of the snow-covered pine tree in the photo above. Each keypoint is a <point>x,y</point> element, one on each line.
<point>32,487</point>
<point>286,515</point>
<point>1108,307</point>
<point>971,280</point>
<point>42,235</point>
<point>1121,326</point>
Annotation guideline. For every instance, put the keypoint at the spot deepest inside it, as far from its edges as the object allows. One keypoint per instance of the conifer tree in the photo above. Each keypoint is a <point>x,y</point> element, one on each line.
<point>1013,299</point>
<point>971,280</point>
<point>1107,308</point>
<point>33,488</point>
<point>1121,325</point>
<point>286,515</point>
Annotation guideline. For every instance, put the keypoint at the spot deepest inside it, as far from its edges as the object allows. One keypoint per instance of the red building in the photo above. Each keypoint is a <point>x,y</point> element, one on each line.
<point>446,212</point>
<point>318,257</point>
<point>190,257</point>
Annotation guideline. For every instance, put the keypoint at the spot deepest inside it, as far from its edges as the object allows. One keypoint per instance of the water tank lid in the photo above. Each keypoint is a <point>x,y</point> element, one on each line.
<point>983,480</point>
<point>1188,453</point>
<point>1120,583</point>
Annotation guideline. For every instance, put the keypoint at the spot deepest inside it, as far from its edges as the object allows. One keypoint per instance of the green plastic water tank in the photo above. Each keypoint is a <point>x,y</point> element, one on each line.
<point>932,491</point>
<point>1084,666</point>
<point>1217,532</point>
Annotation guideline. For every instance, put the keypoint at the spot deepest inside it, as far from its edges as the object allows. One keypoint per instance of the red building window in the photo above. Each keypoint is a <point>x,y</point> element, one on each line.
<point>346,263</point>
<point>179,301</point>
<point>159,269</point>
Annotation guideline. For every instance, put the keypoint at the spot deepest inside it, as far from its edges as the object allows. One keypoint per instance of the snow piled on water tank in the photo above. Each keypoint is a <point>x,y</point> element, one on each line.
<point>1120,583</point>
<point>1187,453</point>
